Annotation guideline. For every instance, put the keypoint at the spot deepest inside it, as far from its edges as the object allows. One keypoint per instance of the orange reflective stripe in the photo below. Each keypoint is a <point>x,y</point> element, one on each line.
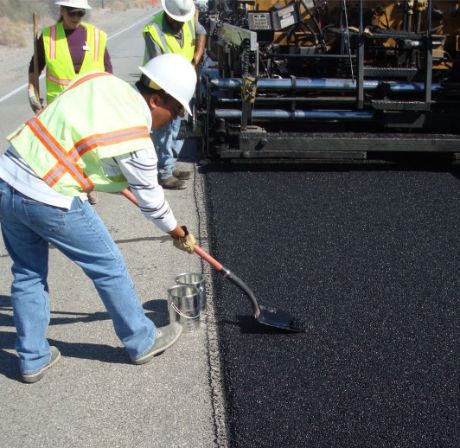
<point>60,154</point>
<point>53,175</point>
<point>85,78</point>
<point>111,138</point>
<point>60,81</point>
<point>96,44</point>
<point>83,146</point>
<point>66,82</point>
<point>93,141</point>
<point>53,45</point>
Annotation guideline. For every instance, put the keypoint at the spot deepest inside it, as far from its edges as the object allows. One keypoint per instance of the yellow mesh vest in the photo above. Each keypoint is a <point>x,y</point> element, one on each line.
<point>59,66</point>
<point>97,117</point>
<point>167,42</point>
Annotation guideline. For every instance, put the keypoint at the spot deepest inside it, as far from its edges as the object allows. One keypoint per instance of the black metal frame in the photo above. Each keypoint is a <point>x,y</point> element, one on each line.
<point>384,117</point>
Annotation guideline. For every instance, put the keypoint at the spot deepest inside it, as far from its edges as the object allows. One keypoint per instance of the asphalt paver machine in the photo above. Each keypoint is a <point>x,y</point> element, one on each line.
<point>330,79</point>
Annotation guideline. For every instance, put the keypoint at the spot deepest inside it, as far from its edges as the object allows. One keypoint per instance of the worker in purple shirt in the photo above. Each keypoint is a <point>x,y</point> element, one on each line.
<point>67,49</point>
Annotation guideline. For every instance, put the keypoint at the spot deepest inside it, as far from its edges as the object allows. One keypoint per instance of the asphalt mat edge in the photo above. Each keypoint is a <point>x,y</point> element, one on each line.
<point>213,352</point>
<point>379,427</point>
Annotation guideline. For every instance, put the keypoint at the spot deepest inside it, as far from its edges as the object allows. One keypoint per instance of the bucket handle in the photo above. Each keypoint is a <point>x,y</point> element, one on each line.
<point>178,311</point>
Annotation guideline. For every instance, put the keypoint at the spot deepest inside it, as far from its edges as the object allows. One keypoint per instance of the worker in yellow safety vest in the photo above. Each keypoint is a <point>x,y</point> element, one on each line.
<point>67,49</point>
<point>175,30</point>
<point>71,147</point>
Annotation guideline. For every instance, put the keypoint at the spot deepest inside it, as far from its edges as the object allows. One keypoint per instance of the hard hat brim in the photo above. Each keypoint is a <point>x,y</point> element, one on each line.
<point>72,5</point>
<point>184,18</point>
<point>185,104</point>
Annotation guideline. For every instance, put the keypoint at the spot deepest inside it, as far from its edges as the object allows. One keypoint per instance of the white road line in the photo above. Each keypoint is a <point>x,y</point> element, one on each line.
<point>131,26</point>
<point>24,86</point>
<point>5,97</point>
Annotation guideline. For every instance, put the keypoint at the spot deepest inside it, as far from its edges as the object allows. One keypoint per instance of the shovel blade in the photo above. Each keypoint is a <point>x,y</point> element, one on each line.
<point>279,319</point>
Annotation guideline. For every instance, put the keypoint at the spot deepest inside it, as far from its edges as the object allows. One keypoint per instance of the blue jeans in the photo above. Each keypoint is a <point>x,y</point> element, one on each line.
<point>27,227</point>
<point>168,147</point>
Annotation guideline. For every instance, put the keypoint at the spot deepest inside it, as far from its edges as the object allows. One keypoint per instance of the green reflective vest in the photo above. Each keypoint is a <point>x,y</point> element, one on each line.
<point>59,65</point>
<point>167,42</point>
<point>97,117</point>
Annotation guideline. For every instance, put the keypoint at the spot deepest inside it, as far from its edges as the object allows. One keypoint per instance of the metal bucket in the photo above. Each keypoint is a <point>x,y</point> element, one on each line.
<point>197,280</point>
<point>184,306</point>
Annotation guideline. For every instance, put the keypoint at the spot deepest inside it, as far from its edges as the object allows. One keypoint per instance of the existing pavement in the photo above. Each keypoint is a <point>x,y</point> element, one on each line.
<point>94,397</point>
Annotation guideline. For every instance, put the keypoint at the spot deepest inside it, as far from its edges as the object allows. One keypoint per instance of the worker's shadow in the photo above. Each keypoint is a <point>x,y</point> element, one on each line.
<point>57,317</point>
<point>157,310</point>
<point>248,324</point>
<point>8,360</point>
<point>98,352</point>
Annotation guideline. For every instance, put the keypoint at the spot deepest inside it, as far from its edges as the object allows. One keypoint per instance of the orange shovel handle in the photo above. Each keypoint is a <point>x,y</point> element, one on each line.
<point>206,257</point>
<point>128,195</point>
<point>198,250</point>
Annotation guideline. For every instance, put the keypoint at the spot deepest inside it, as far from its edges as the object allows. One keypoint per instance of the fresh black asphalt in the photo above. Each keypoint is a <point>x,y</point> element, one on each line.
<point>369,260</point>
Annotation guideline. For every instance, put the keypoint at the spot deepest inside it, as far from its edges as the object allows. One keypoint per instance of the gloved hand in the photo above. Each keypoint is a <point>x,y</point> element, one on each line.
<point>34,102</point>
<point>185,243</point>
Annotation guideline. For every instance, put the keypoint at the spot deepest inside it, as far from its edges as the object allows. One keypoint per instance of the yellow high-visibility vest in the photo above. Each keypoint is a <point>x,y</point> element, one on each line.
<point>167,42</point>
<point>97,117</point>
<point>59,65</point>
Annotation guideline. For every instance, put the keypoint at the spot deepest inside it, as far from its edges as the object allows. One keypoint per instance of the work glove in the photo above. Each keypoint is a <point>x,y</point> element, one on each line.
<point>34,102</point>
<point>186,243</point>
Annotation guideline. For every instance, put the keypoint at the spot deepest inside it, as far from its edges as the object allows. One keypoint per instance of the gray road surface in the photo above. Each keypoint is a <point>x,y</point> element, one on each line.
<point>94,397</point>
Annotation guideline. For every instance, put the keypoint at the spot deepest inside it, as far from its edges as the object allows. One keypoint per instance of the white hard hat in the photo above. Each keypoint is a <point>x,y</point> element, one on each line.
<point>174,74</point>
<point>76,4</point>
<point>179,10</point>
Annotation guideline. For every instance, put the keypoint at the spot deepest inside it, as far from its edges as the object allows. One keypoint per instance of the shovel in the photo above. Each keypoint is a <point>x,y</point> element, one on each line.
<point>266,316</point>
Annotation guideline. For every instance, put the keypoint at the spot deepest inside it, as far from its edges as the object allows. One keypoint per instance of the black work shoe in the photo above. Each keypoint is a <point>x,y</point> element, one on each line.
<point>39,374</point>
<point>182,174</point>
<point>172,183</point>
<point>166,336</point>
<point>92,197</point>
